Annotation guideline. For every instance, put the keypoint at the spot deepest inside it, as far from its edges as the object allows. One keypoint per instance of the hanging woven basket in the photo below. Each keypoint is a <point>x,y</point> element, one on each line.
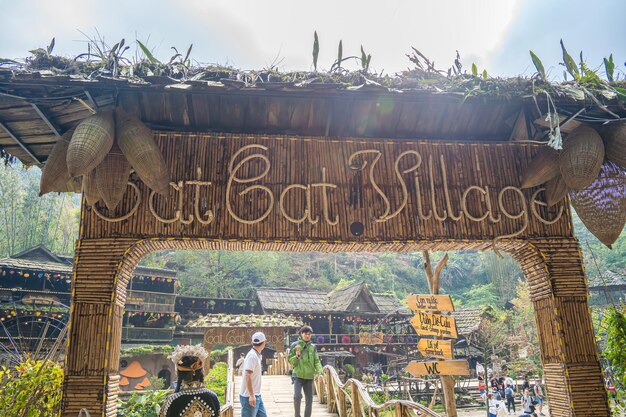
<point>602,205</point>
<point>90,189</point>
<point>137,143</point>
<point>543,167</point>
<point>556,190</point>
<point>111,177</point>
<point>581,157</point>
<point>90,143</point>
<point>54,175</point>
<point>614,136</point>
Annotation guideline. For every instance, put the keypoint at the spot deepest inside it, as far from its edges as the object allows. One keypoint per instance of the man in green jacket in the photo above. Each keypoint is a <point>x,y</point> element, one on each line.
<point>305,364</point>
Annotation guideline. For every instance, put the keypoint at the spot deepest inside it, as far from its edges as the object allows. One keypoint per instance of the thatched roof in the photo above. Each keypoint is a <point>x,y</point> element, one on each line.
<point>42,259</point>
<point>355,297</point>
<point>247,320</point>
<point>607,280</point>
<point>468,320</point>
<point>50,95</point>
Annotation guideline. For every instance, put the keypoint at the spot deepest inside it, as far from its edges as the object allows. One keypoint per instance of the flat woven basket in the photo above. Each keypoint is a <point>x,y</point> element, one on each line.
<point>137,143</point>
<point>112,176</point>
<point>90,189</point>
<point>543,167</point>
<point>54,175</point>
<point>581,157</point>
<point>602,205</point>
<point>90,143</point>
<point>614,136</point>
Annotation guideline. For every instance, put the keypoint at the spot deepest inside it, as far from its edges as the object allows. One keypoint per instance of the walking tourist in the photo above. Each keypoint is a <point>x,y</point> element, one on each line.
<point>306,364</point>
<point>191,398</point>
<point>538,396</point>
<point>527,405</point>
<point>239,363</point>
<point>510,398</point>
<point>494,405</point>
<point>252,368</point>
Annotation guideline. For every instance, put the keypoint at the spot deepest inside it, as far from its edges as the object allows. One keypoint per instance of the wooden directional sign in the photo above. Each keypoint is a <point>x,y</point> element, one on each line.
<point>417,302</point>
<point>439,349</point>
<point>428,324</point>
<point>456,367</point>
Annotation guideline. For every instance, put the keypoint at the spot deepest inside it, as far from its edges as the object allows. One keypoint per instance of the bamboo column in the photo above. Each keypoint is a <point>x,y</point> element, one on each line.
<point>558,290</point>
<point>98,297</point>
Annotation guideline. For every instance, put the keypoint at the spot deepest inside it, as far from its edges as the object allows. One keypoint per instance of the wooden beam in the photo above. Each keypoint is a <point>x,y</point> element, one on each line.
<point>55,129</point>
<point>20,143</point>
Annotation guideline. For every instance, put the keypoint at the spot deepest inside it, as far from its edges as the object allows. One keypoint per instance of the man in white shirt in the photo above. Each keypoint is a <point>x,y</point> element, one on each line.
<point>250,392</point>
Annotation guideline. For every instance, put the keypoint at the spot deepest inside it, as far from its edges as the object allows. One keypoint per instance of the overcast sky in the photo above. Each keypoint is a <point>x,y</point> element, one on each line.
<point>494,34</point>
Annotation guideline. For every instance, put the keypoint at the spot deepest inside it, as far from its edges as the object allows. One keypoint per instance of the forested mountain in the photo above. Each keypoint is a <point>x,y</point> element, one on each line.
<point>473,278</point>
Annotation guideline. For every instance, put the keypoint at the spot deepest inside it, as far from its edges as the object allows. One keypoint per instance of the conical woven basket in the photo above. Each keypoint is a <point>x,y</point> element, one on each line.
<point>74,185</point>
<point>90,143</point>
<point>90,189</point>
<point>556,190</point>
<point>138,145</point>
<point>112,176</point>
<point>54,175</point>
<point>581,157</point>
<point>602,205</point>
<point>543,167</point>
<point>614,136</point>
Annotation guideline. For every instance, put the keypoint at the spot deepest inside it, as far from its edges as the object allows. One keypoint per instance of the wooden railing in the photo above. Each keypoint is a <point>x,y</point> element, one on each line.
<point>227,409</point>
<point>352,399</point>
<point>279,365</point>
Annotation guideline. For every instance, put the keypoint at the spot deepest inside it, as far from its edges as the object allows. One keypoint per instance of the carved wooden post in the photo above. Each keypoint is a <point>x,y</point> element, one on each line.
<point>98,297</point>
<point>573,375</point>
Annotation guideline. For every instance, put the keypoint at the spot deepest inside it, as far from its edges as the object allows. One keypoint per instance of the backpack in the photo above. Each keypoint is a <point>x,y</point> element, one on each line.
<point>508,392</point>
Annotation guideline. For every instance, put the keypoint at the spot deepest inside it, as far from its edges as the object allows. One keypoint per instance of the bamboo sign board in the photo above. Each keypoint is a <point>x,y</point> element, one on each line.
<point>288,188</point>
<point>418,302</point>
<point>429,324</point>
<point>456,367</point>
<point>439,349</point>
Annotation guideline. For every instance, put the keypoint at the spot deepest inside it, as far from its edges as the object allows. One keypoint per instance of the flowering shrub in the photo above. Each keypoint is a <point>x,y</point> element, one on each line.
<point>31,389</point>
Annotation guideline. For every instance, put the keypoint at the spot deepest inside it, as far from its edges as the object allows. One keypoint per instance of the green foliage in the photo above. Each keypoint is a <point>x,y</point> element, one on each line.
<point>615,326</point>
<point>31,389</point>
<point>379,397</point>
<point>316,49</point>
<point>365,60</point>
<point>538,65</point>
<point>143,404</point>
<point>28,220</point>
<point>569,63</point>
<point>146,350</point>
<point>348,369</point>
<point>217,380</point>
<point>609,68</point>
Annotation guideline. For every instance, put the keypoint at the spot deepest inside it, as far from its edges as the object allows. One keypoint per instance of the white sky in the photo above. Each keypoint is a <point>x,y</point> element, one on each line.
<point>494,34</point>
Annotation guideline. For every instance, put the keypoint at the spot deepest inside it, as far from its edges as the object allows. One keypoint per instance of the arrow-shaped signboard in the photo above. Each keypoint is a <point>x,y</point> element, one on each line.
<point>456,367</point>
<point>417,302</point>
<point>428,324</point>
<point>439,349</point>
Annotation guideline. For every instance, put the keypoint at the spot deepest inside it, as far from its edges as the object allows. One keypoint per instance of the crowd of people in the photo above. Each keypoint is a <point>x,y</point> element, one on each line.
<point>501,393</point>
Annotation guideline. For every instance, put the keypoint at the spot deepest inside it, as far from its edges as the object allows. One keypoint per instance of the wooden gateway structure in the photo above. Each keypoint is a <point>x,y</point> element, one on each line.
<point>313,166</point>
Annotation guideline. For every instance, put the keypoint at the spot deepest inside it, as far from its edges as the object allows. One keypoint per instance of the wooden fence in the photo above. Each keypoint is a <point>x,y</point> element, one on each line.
<point>227,409</point>
<point>352,399</point>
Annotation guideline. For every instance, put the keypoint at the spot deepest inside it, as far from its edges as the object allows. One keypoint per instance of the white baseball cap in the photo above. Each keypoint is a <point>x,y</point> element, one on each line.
<point>258,338</point>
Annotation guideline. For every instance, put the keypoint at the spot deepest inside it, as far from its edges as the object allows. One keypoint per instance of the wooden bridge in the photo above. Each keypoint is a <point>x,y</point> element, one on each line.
<point>333,399</point>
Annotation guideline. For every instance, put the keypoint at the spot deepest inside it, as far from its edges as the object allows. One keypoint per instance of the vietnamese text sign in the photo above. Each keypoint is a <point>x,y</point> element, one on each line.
<point>418,302</point>
<point>455,367</point>
<point>428,324</point>
<point>371,338</point>
<point>431,348</point>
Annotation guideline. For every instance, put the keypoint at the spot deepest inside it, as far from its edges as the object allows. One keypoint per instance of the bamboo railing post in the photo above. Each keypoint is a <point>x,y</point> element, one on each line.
<point>356,401</point>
